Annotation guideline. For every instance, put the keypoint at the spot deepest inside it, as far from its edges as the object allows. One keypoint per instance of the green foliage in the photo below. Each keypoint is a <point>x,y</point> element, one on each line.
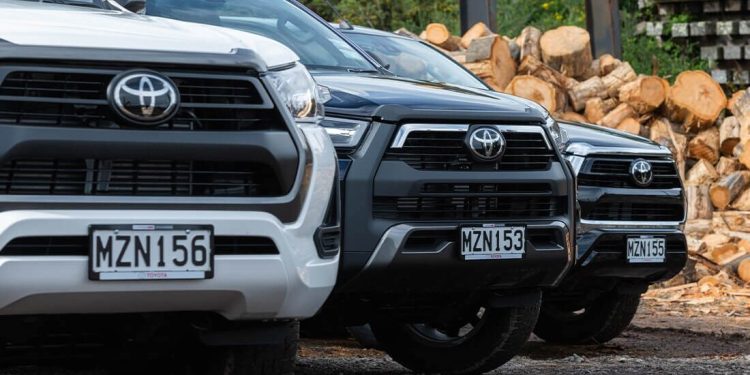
<point>514,15</point>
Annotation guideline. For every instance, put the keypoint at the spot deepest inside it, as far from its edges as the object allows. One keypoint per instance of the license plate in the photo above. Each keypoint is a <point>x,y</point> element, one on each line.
<point>493,242</point>
<point>151,252</point>
<point>646,249</point>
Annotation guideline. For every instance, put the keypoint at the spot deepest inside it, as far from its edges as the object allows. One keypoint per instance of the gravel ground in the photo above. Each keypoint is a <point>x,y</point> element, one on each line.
<point>665,341</point>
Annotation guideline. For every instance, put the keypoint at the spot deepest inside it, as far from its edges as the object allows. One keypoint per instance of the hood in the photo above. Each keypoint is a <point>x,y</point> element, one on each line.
<point>593,139</point>
<point>28,23</point>
<point>393,99</point>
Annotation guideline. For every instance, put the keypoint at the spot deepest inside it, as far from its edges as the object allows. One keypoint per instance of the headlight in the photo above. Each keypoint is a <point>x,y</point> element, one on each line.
<point>559,136</point>
<point>345,133</point>
<point>298,92</point>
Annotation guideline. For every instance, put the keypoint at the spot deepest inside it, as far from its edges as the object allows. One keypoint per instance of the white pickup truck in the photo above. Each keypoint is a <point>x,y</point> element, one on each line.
<point>162,183</point>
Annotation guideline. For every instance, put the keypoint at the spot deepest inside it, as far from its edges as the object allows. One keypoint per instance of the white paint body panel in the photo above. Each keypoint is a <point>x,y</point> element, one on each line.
<point>293,284</point>
<point>51,25</point>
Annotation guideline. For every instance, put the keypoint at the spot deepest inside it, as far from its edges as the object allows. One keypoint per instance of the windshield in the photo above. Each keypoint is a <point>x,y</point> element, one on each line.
<point>410,58</point>
<point>316,45</point>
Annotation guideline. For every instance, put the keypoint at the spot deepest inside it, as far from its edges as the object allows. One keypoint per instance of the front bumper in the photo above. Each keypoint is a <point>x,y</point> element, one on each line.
<point>293,283</point>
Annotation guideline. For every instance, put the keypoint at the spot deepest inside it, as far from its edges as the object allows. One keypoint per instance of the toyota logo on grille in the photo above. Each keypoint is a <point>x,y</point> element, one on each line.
<point>642,172</point>
<point>143,97</point>
<point>486,144</point>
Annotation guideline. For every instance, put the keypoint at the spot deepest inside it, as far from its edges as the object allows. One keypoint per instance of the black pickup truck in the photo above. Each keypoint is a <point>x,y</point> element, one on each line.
<point>458,207</point>
<point>630,198</point>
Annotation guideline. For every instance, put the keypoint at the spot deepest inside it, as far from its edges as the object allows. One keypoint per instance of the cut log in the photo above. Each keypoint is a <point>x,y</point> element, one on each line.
<point>741,111</point>
<point>567,49</point>
<point>596,108</point>
<point>535,89</point>
<point>705,145</point>
<point>533,66</point>
<point>588,89</point>
<point>645,94</point>
<point>699,204</point>
<point>729,135</point>
<point>571,116</point>
<point>733,100</point>
<point>608,63</point>
<point>728,188</point>
<point>423,35</point>
<point>623,74</point>
<point>662,132</point>
<point>496,61</point>
<point>479,30</point>
<point>515,50</point>
<point>617,115</point>
<point>743,270</point>
<point>742,151</point>
<point>439,35</point>
<point>726,166</point>
<point>528,40</point>
<point>695,100</point>
<point>702,173</point>
<point>630,125</point>
<point>742,202</point>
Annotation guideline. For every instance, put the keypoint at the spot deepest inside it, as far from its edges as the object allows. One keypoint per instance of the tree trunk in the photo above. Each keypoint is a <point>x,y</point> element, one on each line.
<point>588,89</point>
<point>728,188</point>
<point>533,66</point>
<point>617,115</point>
<point>645,94</point>
<point>705,145</point>
<point>596,108</point>
<point>695,100</point>
<point>702,173</point>
<point>439,35</point>
<point>729,135</point>
<point>535,89</point>
<point>567,49</point>
<point>699,205</point>
<point>630,125</point>
<point>608,63</point>
<point>726,166</point>
<point>528,40</point>
<point>623,74</point>
<point>477,31</point>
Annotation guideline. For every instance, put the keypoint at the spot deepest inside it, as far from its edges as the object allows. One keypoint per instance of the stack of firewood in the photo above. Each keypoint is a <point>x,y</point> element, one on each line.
<point>708,134</point>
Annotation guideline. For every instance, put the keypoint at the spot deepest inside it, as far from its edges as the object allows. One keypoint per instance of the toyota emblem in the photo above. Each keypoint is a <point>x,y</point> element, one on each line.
<point>143,97</point>
<point>642,172</point>
<point>486,144</point>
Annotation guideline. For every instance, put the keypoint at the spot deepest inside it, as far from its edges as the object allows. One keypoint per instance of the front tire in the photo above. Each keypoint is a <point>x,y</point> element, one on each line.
<point>601,321</point>
<point>492,339</point>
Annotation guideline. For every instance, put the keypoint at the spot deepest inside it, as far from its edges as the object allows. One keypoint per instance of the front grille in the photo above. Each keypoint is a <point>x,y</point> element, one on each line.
<point>79,246</point>
<point>138,178</point>
<point>446,151</point>
<point>632,211</point>
<point>615,173</point>
<point>67,97</point>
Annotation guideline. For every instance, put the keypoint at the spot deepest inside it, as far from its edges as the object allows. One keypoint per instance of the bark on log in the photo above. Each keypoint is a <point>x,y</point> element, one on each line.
<point>728,188</point>
<point>571,116</point>
<point>630,125</point>
<point>726,166</point>
<point>741,111</point>
<point>702,173</point>
<point>729,135</point>
<point>645,94</point>
<point>596,108</point>
<point>497,63</point>
<point>588,89</point>
<point>480,49</point>
<point>567,49</point>
<point>608,63</point>
<point>733,100</point>
<point>617,115</point>
<point>533,66</point>
<point>439,35</point>
<point>695,100</point>
<point>535,89</point>
<point>699,204</point>
<point>479,30</point>
<point>742,151</point>
<point>528,40</point>
<point>742,202</point>
<point>705,145</point>
<point>661,132</point>
<point>623,74</point>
